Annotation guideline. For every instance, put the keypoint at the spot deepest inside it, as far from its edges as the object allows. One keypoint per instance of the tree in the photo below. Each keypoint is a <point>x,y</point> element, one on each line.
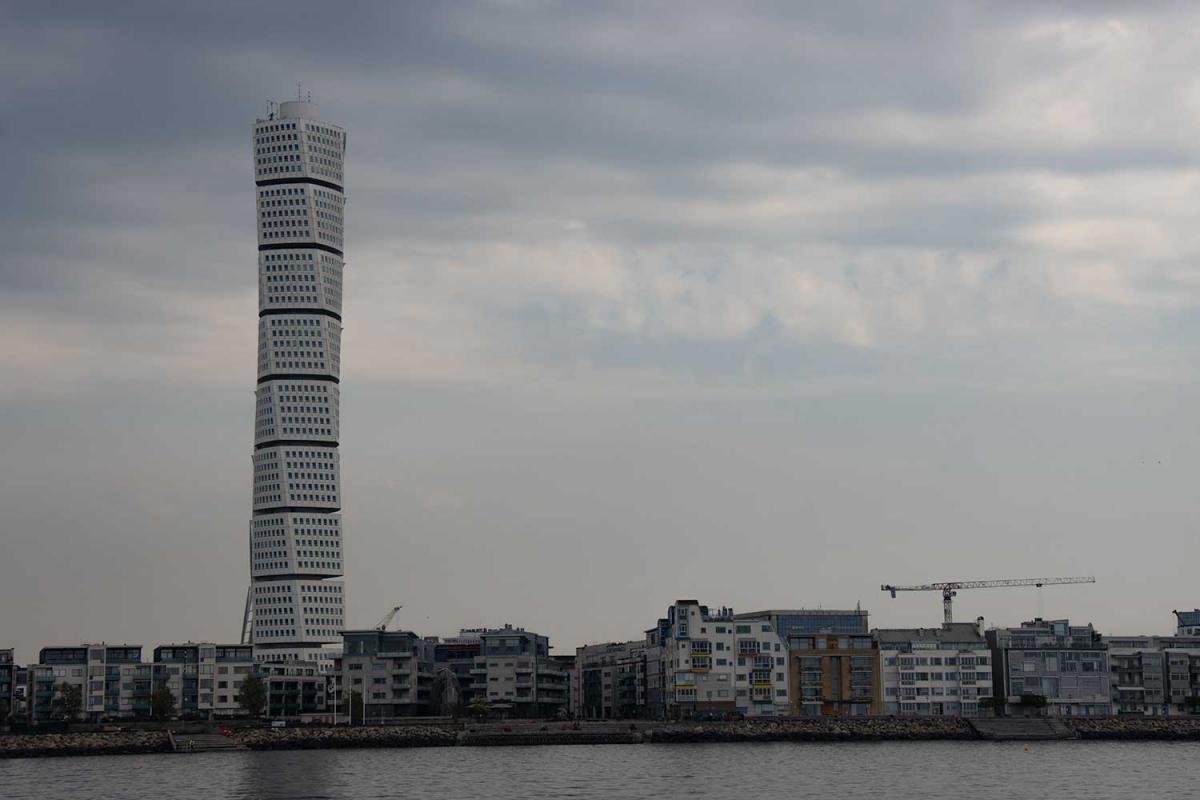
<point>479,707</point>
<point>444,694</point>
<point>1033,701</point>
<point>162,702</point>
<point>69,701</point>
<point>252,697</point>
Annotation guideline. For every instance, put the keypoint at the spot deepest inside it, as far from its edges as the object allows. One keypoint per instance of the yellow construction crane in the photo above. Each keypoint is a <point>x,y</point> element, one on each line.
<point>950,588</point>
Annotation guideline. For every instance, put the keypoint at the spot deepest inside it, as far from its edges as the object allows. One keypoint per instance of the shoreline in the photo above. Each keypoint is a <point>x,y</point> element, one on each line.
<point>527,733</point>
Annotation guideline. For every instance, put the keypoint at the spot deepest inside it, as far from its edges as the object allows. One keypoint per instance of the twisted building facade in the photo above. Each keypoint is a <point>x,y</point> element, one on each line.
<point>295,606</point>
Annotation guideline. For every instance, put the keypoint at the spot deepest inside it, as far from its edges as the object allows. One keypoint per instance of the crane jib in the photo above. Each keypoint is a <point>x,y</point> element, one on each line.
<point>950,588</point>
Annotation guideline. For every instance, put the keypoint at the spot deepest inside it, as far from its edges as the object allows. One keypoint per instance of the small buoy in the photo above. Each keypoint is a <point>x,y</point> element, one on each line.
<point>1026,749</point>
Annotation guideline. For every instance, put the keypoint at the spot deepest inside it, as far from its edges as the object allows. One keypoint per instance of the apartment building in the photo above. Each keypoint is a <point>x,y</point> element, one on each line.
<point>393,671</point>
<point>8,685</point>
<point>834,675</point>
<point>1187,623</point>
<point>297,690</point>
<point>516,676</point>
<point>1155,676</point>
<point>934,671</point>
<point>20,697</point>
<point>204,678</point>
<point>453,659</point>
<point>566,663</point>
<point>112,681</point>
<point>1050,667</point>
<point>656,675</point>
<point>715,663</point>
<point>610,680</point>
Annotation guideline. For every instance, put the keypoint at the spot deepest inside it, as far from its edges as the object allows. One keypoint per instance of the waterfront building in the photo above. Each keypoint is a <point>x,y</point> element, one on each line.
<point>453,659</point>
<point>567,664</point>
<point>935,671</point>
<point>203,678</point>
<point>294,607</point>
<point>611,680</point>
<point>1155,676</point>
<point>8,685</point>
<point>515,674</point>
<point>1187,623</point>
<point>716,664</point>
<point>834,675</point>
<point>392,671</point>
<point>20,699</point>
<point>656,675</point>
<point>112,681</point>
<point>296,690</point>
<point>1050,667</point>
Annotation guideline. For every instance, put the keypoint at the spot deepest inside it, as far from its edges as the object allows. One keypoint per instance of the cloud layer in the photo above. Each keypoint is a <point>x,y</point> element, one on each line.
<point>629,210</point>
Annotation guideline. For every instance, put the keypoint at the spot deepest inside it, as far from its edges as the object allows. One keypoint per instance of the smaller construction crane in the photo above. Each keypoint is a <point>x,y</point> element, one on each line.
<point>950,588</point>
<point>387,619</point>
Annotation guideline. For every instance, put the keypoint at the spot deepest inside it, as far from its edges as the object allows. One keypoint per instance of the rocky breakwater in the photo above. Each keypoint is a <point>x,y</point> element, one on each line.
<point>332,738</point>
<point>1140,728</point>
<point>825,729</point>
<point>84,744</point>
<point>551,733</point>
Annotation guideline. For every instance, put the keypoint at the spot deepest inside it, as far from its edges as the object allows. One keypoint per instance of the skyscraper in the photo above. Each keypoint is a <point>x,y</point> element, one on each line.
<point>293,607</point>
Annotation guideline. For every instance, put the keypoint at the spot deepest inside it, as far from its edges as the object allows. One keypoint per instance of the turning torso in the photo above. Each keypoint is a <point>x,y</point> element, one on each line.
<point>293,607</point>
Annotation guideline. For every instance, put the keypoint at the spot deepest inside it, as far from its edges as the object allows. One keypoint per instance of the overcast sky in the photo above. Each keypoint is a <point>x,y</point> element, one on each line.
<point>764,305</point>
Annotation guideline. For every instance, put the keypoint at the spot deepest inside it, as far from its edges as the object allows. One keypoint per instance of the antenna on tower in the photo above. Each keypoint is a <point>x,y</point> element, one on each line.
<point>299,93</point>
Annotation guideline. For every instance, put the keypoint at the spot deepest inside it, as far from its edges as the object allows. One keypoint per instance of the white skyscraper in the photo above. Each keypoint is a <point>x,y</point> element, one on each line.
<point>293,607</point>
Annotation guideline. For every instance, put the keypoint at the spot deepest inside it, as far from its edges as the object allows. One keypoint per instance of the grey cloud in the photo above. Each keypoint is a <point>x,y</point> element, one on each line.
<point>624,273</point>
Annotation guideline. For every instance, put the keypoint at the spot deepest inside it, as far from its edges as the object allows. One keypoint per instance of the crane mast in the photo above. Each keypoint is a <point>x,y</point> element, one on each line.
<point>950,589</point>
